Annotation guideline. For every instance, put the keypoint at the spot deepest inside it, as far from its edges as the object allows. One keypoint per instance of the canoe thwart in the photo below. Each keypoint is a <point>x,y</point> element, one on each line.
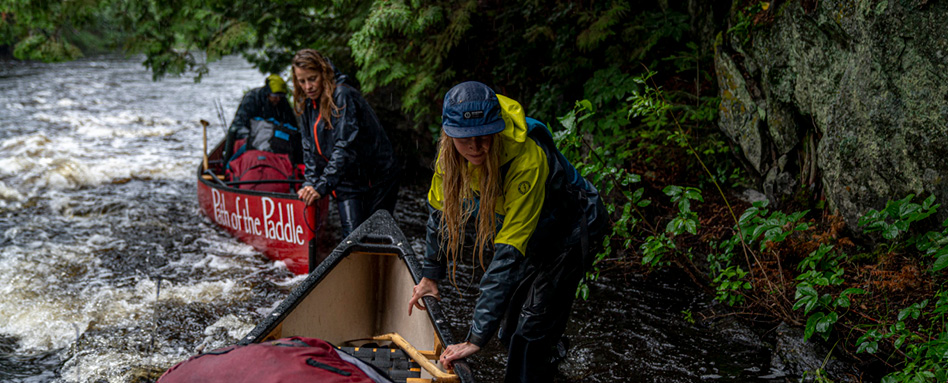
<point>436,352</point>
<point>439,375</point>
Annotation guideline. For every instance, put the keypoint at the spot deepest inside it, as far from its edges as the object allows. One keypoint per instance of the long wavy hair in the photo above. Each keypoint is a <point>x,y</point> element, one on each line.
<point>459,195</point>
<point>313,60</point>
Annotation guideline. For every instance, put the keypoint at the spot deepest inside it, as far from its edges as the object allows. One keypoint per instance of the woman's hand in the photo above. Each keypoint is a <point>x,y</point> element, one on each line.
<point>457,351</point>
<point>308,195</point>
<point>425,288</point>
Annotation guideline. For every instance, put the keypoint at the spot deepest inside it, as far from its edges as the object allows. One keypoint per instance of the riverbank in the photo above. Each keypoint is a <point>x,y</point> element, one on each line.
<point>865,301</point>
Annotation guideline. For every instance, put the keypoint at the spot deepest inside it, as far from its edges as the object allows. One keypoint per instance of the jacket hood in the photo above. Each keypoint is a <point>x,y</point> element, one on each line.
<point>514,118</point>
<point>339,76</point>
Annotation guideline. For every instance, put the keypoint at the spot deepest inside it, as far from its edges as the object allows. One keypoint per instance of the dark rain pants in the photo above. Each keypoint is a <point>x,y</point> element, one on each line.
<point>355,210</point>
<point>538,312</point>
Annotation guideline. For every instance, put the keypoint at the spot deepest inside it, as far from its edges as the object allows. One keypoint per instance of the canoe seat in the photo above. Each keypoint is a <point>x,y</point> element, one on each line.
<point>393,361</point>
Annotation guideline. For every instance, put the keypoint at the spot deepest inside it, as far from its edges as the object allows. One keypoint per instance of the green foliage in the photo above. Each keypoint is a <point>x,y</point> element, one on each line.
<point>650,107</point>
<point>407,44</point>
<point>654,250</point>
<point>414,49</point>
<point>269,33</point>
<point>925,347</point>
<point>729,280</point>
<point>687,220</point>
<point>688,316</point>
<point>656,247</point>
<point>895,219</point>
<point>624,118</point>
<point>757,225</point>
<point>919,330</point>
<point>934,244</point>
<point>926,350</point>
<point>172,35</point>
<point>743,21</point>
<point>821,269</point>
<point>607,173</point>
<point>894,223</point>
<point>38,30</point>
<point>42,48</point>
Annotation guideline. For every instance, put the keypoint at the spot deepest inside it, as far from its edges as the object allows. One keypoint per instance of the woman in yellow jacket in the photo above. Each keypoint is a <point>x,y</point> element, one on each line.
<point>541,218</point>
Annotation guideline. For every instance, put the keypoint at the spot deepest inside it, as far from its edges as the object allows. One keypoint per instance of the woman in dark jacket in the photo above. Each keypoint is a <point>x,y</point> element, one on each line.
<point>346,151</point>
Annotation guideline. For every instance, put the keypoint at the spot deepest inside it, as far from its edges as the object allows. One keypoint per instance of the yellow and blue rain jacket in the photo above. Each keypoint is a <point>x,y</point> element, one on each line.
<point>543,202</point>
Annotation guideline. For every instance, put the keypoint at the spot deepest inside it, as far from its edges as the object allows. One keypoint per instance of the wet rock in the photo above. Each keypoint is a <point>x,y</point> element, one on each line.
<point>779,182</point>
<point>144,374</point>
<point>751,196</point>
<point>739,115</point>
<point>738,332</point>
<point>792,356</point>
<point>867,80</point>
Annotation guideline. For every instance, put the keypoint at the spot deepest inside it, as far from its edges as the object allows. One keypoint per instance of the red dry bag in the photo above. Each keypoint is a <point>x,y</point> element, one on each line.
<point>286,360</point>
<point>261,171</point>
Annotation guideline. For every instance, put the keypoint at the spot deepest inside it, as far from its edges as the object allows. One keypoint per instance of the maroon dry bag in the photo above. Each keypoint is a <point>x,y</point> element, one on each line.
<point>261,171</point>
<point>286,360</point>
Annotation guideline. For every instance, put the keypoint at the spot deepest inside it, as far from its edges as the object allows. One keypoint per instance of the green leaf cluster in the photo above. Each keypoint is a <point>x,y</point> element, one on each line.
<point>897,216</point>
<point>756,226</point>
<point>656,247</point>
<point>821,269</point>
<point>44,30</point>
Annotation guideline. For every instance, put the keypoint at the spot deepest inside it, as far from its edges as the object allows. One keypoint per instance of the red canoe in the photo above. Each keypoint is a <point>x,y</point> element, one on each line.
<point>278,225</point>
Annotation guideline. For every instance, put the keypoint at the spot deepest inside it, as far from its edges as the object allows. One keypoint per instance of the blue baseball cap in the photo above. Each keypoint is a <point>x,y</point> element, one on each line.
<point>471,109</point>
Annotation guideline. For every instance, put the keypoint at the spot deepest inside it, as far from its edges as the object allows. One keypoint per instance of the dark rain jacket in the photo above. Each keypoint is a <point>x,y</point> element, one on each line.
<point>256,103</point>
<point>352,156</point>
<point>540,212</point>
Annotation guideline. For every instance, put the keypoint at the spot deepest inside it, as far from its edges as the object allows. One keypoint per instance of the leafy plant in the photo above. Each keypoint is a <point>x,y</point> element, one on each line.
<point>656,247</point>
<point>607,173</point>
<point>821,269</point>
<point>654,250</point>
<point>688,316</point>
<point>744,20</point>
<point>935,244</point>
<point>728,278</point>
<point>919,330</point>
<point>895,219</point>
<point>687,220</point>
<point>925,348</point>
<point>757,225</point>
<point>729,283</point>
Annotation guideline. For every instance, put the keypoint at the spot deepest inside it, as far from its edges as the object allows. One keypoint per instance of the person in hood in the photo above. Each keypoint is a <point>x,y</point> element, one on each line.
<point>501,169</point>
<point>268,101</point>
<point>345,149</point>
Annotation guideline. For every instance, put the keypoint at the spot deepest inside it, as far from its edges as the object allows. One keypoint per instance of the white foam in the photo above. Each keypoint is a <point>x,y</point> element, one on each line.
<point>98,242</point>
<point>66,103</point>
<point>45,291</point>
<point>211,261</point>
<point>9,194</point>
<point>226,331</point>
<point>114,366</point>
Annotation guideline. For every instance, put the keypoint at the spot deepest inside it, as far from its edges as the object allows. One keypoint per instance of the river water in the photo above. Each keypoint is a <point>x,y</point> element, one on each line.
<point>109,273</point>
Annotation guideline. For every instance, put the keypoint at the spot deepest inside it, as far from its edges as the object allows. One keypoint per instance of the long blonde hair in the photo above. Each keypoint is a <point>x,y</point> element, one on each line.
<point>312,60</point>
<point>458,197</point>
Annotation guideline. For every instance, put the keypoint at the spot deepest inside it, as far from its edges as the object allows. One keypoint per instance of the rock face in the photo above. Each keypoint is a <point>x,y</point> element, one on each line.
<point>844,94</point>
